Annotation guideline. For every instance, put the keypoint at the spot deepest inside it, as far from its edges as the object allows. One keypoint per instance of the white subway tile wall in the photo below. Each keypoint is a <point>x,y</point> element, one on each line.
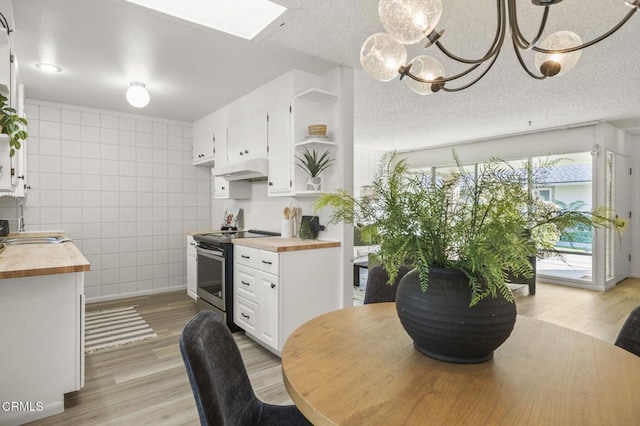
<point>122,188</point>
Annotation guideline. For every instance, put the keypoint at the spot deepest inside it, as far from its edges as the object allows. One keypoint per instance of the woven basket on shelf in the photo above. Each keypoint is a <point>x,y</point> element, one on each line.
<point>317,130</point>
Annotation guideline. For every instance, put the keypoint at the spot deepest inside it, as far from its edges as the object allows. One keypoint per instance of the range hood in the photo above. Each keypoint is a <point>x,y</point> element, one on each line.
<point>244,170</point>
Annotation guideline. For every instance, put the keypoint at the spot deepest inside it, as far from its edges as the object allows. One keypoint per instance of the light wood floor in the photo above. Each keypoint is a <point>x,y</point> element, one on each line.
<point>145,382</point>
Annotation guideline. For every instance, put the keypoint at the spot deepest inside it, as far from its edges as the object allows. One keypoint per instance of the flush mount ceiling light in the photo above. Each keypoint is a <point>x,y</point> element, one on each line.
<point>384,55</point>
<point>242,18</point>
<point>42,66</point>
<point>137,95</point>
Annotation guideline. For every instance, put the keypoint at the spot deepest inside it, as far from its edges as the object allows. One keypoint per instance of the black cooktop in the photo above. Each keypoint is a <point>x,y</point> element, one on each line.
<point>226,236</point>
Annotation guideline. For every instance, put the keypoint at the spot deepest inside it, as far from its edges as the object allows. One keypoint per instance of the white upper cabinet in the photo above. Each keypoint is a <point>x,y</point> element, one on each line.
<point>12,169</point>
<point>279,140</point>
<point>247,138</point>
<point>210,141</point>
<point>204,148</point>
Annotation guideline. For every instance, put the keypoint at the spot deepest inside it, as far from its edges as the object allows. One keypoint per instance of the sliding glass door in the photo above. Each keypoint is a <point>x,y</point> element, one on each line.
<point>569,186</point>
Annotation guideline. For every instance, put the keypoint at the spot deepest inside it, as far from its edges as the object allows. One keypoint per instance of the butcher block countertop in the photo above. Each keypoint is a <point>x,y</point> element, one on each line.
<point>279,244</point>
<point>28,260</point>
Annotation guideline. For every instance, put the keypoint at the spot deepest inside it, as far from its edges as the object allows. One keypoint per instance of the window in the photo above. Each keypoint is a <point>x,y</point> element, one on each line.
<point>545,194</point>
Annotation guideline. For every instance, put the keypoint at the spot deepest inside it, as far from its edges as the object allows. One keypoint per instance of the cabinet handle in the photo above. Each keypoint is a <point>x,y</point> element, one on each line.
<point>270,183</point>
<point>241,153</point>
<point>267,263</point>
<point>193,244</point>
<point>246,151</point>
<point>245,316</point>
<point>273,285</point>
<point>245,283</point>
<point>245,257</point>
<point>222,187</point>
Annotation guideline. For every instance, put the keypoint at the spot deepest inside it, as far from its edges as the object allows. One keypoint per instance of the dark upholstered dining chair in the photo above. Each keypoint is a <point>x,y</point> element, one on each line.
<point>629,336</point>
<point>219,379</point>
<point>378,290</point>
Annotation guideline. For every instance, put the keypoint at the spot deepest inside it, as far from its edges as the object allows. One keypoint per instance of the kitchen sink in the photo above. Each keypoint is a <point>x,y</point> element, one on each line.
<point>14,241</point>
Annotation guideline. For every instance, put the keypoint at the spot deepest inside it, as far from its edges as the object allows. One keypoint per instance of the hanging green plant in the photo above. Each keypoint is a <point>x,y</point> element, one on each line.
<point>12,125</point>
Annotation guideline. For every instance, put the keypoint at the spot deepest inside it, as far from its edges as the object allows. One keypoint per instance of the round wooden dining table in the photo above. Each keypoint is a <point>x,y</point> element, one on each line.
<point>357,366</point>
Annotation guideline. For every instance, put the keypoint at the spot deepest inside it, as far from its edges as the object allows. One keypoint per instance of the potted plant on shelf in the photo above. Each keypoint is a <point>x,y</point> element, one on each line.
<point>462,235</point>
<point>313,163</point>
<point>12,125</point>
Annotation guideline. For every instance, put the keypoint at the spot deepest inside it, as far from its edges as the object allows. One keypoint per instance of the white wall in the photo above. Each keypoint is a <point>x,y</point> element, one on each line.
<point>122,187</point>
<point>569,193</point>
<point>565,141</point>
<point>365,166</point>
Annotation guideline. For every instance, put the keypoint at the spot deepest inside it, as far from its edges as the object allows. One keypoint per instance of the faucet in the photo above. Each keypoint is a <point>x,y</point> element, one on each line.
<point>19,210</point>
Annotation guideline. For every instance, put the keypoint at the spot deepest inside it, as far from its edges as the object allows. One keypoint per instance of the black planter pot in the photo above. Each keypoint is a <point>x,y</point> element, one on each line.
<point>441,323</point>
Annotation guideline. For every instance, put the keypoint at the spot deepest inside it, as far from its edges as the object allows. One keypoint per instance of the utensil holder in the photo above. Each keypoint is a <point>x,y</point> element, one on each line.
<point>286,228</point>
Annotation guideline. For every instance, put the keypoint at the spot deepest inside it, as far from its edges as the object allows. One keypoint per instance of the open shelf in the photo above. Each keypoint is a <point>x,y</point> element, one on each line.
<point>308,193</point>
<point>316,142</point>
<point>316,96</point>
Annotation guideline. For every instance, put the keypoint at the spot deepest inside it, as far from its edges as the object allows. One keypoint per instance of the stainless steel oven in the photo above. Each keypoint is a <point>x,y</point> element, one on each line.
<point>211,277</point>
<point>214,275</point>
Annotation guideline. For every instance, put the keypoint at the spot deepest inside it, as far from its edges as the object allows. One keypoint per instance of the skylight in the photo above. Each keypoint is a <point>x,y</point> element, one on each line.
<point>242,18</point>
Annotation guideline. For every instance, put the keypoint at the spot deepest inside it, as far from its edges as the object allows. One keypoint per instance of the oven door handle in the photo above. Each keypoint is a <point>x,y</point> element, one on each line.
<point>217,254</point>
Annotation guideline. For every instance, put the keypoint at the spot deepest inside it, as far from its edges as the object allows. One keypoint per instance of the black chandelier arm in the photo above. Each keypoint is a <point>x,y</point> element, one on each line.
<point>406,71</point>
<point>496,45</point>
<point>517,35</point>
<point>589,43</point>
<point>524,66</point>
<point>466,86</point>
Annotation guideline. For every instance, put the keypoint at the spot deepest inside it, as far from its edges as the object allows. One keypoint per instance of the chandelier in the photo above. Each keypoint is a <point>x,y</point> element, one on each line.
<point>384,55</point>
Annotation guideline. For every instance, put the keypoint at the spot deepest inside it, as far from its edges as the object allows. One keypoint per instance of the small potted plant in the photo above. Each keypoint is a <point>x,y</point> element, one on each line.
<point>12,125</point>
<point>313,163</point>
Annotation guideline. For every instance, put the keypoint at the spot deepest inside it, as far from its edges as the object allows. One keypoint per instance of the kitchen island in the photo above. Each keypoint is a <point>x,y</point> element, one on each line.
<point>42,327</point>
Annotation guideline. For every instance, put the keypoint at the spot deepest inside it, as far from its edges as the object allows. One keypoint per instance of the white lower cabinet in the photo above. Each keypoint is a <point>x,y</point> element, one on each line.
<point>268,286</point>
<point>42,350</point>
<point>275,293</point>
<point>192,268</point>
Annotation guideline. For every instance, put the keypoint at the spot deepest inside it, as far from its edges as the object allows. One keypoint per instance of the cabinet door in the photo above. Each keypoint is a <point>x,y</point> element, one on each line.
<point>220,146</point>
<point>269,309</point>
<point>220,188</point>
<point>280,159</point>
<point>235,146</point>
<point>204,147</point>
<point>191,268</point>
<point>255,136</point>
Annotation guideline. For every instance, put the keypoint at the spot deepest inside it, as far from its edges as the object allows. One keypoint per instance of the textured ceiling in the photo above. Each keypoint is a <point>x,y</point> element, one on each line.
<point>190,71</point>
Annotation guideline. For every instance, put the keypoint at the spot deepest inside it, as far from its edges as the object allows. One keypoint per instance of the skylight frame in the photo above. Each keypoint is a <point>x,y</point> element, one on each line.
<point>227,16</point>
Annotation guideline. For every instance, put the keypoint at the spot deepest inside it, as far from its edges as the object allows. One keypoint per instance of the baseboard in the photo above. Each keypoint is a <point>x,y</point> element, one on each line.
<point>135,294</point>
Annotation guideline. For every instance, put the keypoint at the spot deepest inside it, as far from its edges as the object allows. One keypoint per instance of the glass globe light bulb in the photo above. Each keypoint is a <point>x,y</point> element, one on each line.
<point>382,56</point>
<point>137,95</point>
<point>427,68</point>
<point>409,21</point>
<point>551,64</point>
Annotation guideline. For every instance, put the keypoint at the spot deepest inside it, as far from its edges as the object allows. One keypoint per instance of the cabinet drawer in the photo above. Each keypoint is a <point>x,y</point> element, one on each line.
<point>268,262</point>
<point>246,313</point>
<point>246,282</point>
<point>246,256</point>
